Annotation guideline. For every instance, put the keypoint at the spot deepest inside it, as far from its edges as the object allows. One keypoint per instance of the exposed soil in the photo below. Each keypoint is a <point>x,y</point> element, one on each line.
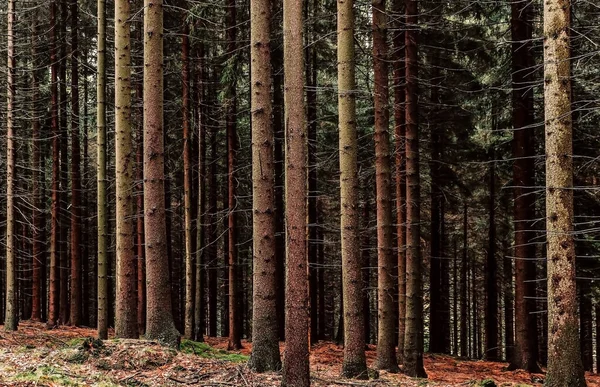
<point>69,356</point>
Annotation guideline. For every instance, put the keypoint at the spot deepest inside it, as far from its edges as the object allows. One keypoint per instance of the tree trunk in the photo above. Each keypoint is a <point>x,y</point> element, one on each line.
<point>455,298</point>
<point>159,317</point>
<point>126,297</point>
<point>187,182</point>
<point>75,309</point>
<point>386,336</point>
<point>523,180</point>
<point>564,358</point>
<point>11,317</point>
<point>509,333</point>
<point>400,144</point>
<point>413,342</point>
<point>354,364</point>
<point>265,344</point>
<point>365,246</point>
<point>585,327</point>
<point>102,196</point>
<point>53,290</point>
<point>464,341</point>
<point>235,342</point>
<point>296,371</point>
<point>491,276</point>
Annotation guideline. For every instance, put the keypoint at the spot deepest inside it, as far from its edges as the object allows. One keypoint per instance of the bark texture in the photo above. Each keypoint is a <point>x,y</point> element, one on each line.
<point>159,315</point>
<point>354,365</point>
<point>564,357</point>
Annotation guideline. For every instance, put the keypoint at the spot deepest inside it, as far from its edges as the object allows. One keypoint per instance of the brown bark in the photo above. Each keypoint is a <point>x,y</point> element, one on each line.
<point>413,345</point>
<point>159,318</point>
<point>585,327</point>
<point>464,341</point>
<point>75,309</point>
<point>386,336</point>
<point>525,354</point>
<point>265,344</point>
<point>64,167</point>
<point>491,272</point>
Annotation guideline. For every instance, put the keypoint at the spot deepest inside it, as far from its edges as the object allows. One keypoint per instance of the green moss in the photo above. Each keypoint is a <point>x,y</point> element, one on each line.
<point>487,383</point>
<point>206,351</point>
<point>46,374</point>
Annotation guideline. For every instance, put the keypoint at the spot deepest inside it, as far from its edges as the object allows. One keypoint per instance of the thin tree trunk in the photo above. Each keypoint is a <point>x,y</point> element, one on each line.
<point>64,170</point>
<point>187,183</point>
<point>523,180</point>
<point>413,344</point>
<point>464,341</point>
<point>235,342</point>
<point>102,197</point>
<point>354,364</point>
<point>509,335</point>
<point>386,332</point>
<point>491,280</point>
<point>53,291</point>
<point>265,344</point>
<point>365,245</point>
<point>75,309</point>
<point>455,298</point>
<point>38,255</point>
<point>159,316</point>
<point>585,327</point>
<point>11,317</point>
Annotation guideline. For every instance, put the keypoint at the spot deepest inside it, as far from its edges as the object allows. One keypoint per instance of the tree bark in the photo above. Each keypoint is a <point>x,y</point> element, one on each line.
<point>296,371</point>
<point>64,168</point>
<point>265,345</point>
<point>413,342</point>
<point>11,317</point>
<point>564,359</point>
<point>524,354</point>
<point>491,276</point>
<point>101,172</point>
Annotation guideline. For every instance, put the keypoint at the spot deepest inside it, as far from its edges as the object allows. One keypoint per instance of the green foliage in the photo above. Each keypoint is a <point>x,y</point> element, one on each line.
<point>46,375</point>
<point>487,383</point>
<point>206,351</point>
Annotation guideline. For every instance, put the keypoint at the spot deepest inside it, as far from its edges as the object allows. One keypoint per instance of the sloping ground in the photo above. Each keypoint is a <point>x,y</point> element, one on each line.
<point>70,356</point>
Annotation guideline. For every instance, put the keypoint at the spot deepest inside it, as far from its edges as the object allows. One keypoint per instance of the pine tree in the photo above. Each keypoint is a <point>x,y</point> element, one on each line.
<point>296,364</point>
<point>159,318</point>
<point>354,365</point>
<point>564,357</point>
<point>265,337</point>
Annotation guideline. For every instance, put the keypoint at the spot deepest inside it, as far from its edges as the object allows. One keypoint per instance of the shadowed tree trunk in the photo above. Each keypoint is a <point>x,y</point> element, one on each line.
<point>75,309</point>
<point>159,315</point>
<point>386,333</point>
<point>464,341</point>
<point>354,364</point>
<point>64,168</point>
<point>585,327</point>
<point>265,343</point>
<point>126,297</point>
<point>413,342</point>
<point>524,354</point>
<point>101,171</point>
<point>491,276</point>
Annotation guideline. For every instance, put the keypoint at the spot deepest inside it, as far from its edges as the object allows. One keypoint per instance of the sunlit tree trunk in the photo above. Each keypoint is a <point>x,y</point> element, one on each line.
<point>413,342</point>
<point>11,317</point>
<point>564,357</point>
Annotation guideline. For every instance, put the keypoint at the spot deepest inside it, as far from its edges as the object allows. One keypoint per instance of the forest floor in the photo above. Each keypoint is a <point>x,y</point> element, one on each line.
<point>69,356</point>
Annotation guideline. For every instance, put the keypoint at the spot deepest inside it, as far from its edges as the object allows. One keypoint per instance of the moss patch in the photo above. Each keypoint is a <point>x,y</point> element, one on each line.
<point>206,351</point>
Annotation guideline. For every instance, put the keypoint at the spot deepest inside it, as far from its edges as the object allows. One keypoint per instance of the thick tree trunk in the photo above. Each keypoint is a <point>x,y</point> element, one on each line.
<point>101,172</point>
<point>296,365</point>
<point>265,344</point>
<point>354,364</point>
<point>159,318</point>
<point>413,342</point>
<point>75,309</point>
<point>126,297</point>
<point>564,358</point>
<point>524,354</point>
<point>386,273</point>
<point>11,317</point>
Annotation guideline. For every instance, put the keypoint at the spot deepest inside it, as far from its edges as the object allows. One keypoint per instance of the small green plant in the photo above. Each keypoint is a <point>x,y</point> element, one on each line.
<point>206,351</point>
<point>487,383</point>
